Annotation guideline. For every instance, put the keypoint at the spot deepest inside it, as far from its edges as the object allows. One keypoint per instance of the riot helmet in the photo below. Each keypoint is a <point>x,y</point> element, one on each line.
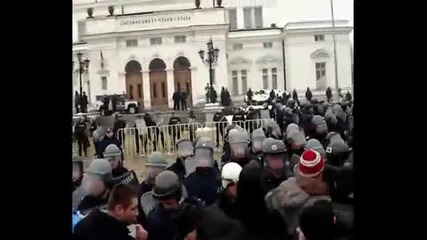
<point>114,155</point>
<point>156,163</point>
<point>257,138</point>
<point>98,177</point>
<point>184,148</point>
<point>337,151</point>
<point>229,177</point>
<point>239,144</point>
<point>167,186</point>
<point>274,153</point>
<point>203,155</point>
<point>319,124</point>
<point>272,129</point>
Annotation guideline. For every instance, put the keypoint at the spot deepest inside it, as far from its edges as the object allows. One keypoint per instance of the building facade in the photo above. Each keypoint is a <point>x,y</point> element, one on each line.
<point>149,49</point>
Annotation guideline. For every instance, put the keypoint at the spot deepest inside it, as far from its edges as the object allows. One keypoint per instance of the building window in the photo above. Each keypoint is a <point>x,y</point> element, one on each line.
<point>268,45</point>
<point>154,90</point>
<point>156,41</point>
<point>252,17</point>
<point>265,78</point>
<point>104,83</point>
<point>320,70</point>
<point>319,38</point>
<point>244,82</point>
<point>132,43</point>
<point>235,83</point>
<point>81,29</point>
<point>180,39</point>
<point>232,16</point>
<point>274,77</point>
<point>130,92</point>
<point>258,17</point>
<point>237,46</point>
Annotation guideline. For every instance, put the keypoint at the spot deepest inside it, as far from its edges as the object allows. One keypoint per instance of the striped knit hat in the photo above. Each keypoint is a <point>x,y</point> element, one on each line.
<point>311,164</point>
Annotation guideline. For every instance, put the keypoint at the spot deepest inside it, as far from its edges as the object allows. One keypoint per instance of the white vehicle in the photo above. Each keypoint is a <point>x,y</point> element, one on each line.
<point>261,97</point>
<point>123,104</point>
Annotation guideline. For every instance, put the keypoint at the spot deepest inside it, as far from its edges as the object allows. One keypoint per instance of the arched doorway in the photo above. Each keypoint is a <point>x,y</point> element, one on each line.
<point>158,83</point>
<point>182,77</point>
<point>134,89</point>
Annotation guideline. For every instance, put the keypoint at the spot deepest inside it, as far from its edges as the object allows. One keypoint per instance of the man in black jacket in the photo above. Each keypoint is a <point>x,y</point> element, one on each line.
<point>175,98</point>
<point>116,222</point>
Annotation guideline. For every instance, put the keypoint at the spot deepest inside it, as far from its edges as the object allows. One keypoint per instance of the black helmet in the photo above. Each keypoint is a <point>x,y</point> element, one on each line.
<point>167,186</point>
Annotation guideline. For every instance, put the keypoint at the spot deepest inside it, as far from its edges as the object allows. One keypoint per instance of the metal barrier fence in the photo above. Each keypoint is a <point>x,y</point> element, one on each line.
<point>140,142</point>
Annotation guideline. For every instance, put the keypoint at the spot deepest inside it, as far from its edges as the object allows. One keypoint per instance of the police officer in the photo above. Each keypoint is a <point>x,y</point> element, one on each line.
<point>220,122</point>
<point>184,150</point>
<point>174,130</point>
<point>156,163</point>
<point>119,123</point>
<point>274,159</point>
<point>174,217</point>
<point>206,140</point>
<point>204,183</point>
<point>295,140</point>
<point>239,117</point>
<point>226,145</point>
<point>114,156</point>
<point>239,146</point>
<point>319,130</point>
<point>250,124</point>
<point>257,139</point>
<point>272,129</point>
<point>81,136</point>
<point>98,182</point>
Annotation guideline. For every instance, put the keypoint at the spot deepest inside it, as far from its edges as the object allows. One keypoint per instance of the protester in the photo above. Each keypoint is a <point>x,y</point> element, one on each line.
<point>251,210</point>
<point>218,221</point>
<point>77,172</point>
<point>307,187</point>
<point>317,222</point>
<point>115,223</point>
<point>97,182</point>
<point>109,138</point>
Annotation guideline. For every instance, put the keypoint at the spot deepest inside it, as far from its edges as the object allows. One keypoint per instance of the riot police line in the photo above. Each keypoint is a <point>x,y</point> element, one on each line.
<point>287,180</point>
<point>137,142</point>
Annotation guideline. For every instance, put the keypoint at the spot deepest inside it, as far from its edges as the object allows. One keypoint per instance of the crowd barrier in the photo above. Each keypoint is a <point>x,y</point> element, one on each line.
<point>140,142</point>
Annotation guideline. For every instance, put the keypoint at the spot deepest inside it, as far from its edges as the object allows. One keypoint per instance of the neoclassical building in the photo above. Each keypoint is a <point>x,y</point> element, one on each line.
<point>149,49</point>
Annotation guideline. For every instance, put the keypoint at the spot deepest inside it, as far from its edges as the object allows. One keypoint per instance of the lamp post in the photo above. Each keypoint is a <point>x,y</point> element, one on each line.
<point>82,68</point>
<point>335,51</point>
<point>212,58</point>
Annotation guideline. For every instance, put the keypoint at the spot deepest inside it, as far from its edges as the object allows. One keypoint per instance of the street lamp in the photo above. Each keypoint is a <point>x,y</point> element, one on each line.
<point>212,58</point>
<point>335,51</point>
<point>83,67</point>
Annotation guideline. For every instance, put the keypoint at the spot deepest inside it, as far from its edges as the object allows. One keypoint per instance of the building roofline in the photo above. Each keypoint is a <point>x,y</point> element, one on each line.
<point>255,29</point>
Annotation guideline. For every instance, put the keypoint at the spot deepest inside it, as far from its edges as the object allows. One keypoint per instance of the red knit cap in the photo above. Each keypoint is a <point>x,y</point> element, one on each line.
<point>311,164</point>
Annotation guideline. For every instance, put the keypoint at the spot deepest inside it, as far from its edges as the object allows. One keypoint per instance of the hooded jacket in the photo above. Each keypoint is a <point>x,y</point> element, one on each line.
<point>258,221</point>
<point>291,196</point>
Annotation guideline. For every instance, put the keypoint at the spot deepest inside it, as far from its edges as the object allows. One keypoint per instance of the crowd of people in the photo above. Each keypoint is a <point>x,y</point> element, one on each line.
<point>292,178</point>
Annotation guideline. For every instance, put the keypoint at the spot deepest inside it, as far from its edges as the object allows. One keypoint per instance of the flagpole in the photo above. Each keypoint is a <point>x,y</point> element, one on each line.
<point>335,51</point>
